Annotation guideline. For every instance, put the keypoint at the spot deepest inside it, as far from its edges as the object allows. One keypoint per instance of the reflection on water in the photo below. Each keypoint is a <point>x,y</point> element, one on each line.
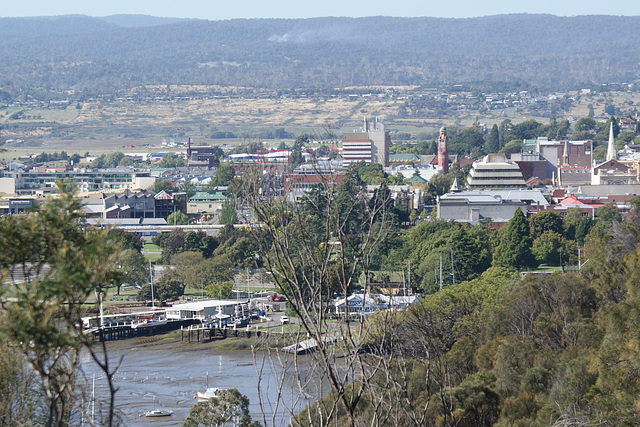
<point>169,379</point>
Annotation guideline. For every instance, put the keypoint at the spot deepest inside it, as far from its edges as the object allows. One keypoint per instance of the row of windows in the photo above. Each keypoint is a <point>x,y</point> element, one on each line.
<point>483,170</point>
<point>497,178</point>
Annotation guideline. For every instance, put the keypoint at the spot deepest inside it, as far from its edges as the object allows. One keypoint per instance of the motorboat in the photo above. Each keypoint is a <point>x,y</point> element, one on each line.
<point>147,322</point>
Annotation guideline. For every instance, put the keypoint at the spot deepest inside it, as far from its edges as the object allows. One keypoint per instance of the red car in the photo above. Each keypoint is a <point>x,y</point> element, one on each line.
<point>279,298</point>
<point>272,297</point>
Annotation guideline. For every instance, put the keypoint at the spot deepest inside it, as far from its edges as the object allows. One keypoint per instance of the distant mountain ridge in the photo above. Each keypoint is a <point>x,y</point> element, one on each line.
<point>139,20</point>
<point>78,24</point>
<point>120,51</point>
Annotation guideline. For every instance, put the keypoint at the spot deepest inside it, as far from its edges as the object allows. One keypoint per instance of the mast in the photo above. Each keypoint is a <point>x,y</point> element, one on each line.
<point>409,275</point>
<point>101,311</point>
<point>153,303</point>
<point>440,271</point>
<point>404,285</point>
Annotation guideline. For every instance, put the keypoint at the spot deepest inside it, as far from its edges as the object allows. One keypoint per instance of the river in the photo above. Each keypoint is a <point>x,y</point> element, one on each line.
<point>167,376</point>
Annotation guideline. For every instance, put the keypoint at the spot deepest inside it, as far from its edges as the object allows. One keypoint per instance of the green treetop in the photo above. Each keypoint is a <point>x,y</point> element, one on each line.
<point>514,250</point>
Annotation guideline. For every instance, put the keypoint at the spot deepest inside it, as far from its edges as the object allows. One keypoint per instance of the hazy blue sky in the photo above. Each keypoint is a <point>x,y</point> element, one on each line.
<point>216,9</point>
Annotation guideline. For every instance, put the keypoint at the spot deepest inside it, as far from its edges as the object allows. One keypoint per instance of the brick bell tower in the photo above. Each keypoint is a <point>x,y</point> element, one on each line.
<point>443,152</point>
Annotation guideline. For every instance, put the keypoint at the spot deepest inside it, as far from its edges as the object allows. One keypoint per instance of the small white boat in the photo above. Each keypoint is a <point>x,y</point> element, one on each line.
<point>211,392</point>
<point>158,413</point>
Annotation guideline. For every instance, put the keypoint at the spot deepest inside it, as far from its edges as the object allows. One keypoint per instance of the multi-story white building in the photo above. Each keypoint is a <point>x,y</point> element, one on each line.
<point>34,182</point>
<point>370,145</point>
<point>494,171</point>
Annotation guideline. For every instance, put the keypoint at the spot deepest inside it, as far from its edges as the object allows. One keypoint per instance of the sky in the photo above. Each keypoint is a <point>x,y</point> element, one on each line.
<point>230,9</point>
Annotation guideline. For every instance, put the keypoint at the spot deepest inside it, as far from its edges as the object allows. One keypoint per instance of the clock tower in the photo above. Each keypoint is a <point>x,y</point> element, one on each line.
<point>443,152</point>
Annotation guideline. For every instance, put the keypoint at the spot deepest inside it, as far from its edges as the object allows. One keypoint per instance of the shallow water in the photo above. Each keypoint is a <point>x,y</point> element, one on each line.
<point>168,377</point>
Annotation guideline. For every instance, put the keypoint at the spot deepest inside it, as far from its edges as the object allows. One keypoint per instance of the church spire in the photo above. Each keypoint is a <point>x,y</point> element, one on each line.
<point>455,188</point>
<point>611,148</point>
<point>565,154</point>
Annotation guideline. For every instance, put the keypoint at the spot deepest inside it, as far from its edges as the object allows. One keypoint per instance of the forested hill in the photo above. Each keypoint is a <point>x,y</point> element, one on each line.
<point>103,54</point>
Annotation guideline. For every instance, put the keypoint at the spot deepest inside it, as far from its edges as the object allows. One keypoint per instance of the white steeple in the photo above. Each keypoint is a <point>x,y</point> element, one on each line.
<point>455,188</point>
<point>611,149</point>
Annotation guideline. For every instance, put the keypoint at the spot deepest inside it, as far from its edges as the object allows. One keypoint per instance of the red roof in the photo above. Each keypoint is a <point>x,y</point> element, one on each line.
<point>573,200</point>
<point>558,193</point>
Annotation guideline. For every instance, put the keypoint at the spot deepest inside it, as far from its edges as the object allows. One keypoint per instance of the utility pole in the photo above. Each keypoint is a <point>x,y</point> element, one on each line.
<point>409,275</point>
<point>453,269</point>
<point>440,271</point>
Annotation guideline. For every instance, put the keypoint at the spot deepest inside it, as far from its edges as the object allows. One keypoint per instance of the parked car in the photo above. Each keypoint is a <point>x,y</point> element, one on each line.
<point>284,319</point>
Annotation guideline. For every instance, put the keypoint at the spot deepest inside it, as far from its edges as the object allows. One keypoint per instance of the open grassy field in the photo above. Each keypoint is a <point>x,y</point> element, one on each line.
<point>128,126</point>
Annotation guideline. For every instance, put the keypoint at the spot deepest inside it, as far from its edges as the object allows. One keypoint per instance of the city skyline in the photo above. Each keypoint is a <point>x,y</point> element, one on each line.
<point>200,9</point>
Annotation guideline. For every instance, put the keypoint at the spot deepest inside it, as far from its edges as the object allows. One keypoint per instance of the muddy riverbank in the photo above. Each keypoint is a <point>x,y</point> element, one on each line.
<point>165,373</point>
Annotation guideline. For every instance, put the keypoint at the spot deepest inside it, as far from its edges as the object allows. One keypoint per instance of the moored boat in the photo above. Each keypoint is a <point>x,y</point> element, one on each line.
<point>158,413</point>
<point>147,322</point>
<point>211,392</point>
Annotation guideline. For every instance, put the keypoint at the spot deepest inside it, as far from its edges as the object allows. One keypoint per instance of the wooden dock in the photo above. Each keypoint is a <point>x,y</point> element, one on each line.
<point>123,330</point>
<point>303,347</point>
<point>199,333</point>
<point>308,346</point>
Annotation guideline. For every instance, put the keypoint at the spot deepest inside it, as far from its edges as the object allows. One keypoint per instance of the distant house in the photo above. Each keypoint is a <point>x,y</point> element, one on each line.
<point>387,282</point>
<point>206,203</point>
<point>628,123</point>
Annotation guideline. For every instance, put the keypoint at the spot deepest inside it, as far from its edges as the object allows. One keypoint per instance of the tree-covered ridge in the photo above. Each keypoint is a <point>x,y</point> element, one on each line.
<point>97,55</point>
<point>559,349</point>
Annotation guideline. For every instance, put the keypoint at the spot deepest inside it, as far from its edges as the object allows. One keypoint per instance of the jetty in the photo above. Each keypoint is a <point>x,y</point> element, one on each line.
<point>308,346</point>
<point>303,347</point>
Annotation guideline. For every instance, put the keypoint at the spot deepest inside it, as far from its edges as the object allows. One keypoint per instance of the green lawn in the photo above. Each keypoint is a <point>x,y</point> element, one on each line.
<point>152,257</point>
<point>150,247</point>
<point>152,252</point>
<point>548,268</point>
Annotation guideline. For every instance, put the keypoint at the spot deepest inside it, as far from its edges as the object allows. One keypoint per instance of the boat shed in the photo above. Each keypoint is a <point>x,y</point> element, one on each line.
<point>206,310</point>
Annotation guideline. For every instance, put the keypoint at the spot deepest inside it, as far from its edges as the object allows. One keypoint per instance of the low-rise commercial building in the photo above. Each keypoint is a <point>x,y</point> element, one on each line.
<point>494,206</point>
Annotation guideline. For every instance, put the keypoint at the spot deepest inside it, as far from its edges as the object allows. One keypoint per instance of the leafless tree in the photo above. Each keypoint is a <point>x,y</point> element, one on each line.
<point>314,245</point>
